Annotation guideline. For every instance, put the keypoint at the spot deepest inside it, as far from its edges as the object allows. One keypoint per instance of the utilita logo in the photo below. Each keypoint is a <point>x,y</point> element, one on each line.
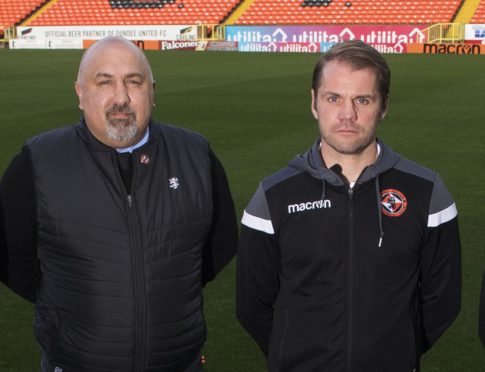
<point>301,207</point>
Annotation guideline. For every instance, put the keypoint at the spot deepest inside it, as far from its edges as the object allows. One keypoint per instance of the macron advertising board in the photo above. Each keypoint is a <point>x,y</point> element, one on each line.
<point>447,48</point>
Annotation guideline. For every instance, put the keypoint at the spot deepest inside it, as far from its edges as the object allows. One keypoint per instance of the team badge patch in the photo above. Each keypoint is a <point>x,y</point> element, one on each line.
<point>393,202</point>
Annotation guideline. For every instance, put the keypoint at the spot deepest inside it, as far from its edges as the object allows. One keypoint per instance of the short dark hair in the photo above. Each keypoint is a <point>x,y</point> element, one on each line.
<point>358,55</point>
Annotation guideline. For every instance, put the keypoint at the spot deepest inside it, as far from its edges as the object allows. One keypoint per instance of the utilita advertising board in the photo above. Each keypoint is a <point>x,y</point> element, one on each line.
<point>385,38</point>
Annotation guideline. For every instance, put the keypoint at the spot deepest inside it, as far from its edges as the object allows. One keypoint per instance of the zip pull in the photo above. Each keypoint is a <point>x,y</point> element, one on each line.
<point>130,202</point>
<point>351,192</point>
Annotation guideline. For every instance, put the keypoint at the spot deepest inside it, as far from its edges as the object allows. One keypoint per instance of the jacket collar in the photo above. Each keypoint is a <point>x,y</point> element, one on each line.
<point>95,145</point>
<point>312,163</point>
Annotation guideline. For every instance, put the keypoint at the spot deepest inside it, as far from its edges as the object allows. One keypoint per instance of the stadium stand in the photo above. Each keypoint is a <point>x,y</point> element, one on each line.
<point>13,11</point>
<point>350,12</point>
<point>133,12</point>
<point>149,12</point>
<point>479,16</point>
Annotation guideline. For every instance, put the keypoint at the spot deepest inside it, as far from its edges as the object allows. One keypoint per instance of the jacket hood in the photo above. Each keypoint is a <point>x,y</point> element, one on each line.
<point>312,163</point>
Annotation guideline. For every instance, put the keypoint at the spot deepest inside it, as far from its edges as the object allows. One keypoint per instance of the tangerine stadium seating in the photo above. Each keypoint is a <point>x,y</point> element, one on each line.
<point>13,11</point>
<point>134,12</point>
<point>479,16</point>
<point>350,12</point>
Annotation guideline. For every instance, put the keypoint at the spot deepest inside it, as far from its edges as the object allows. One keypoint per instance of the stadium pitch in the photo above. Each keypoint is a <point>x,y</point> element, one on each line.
<point>255,111</point>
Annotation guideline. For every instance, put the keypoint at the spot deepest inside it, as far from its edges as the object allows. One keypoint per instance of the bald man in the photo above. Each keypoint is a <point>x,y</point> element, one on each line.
<point>115,224</point>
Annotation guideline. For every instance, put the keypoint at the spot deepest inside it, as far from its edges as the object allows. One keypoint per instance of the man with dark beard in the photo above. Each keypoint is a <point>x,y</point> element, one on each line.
<point>114,225</point>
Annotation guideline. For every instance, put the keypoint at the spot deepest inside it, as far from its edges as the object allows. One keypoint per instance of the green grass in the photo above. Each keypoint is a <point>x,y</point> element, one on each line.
<point>255,111</point>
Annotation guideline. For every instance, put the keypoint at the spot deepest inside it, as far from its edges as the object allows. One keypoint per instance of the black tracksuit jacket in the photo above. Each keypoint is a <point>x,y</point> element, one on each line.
<point>116,273</point>
<point>364,279</point>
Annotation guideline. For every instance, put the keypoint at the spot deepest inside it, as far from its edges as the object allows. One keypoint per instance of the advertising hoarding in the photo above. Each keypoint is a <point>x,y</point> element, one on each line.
<point>217,46</point>
<point>446,48</point>
<point>385,38</point>
<point>475,32</point>
<point>55,37</point>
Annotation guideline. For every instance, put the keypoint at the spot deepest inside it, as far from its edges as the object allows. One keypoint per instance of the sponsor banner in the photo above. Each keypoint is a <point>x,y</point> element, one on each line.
<point>177,44</point>
<point>306,47</point>
<point>149,32</point>
<point>45,44</point>
<point>475,32</point>
<point>217,46</point>
<point>65,44</point>
<point>447,48</point>
<point>325,46</point>
<point>385,38</point>
<point>279,47</point>
<point>27,44</point>
<point>142,44</point>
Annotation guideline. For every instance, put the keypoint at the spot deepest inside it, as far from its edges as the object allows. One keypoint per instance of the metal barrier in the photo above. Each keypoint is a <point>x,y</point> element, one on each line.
<point>445,32</point>
<point>211,32</point>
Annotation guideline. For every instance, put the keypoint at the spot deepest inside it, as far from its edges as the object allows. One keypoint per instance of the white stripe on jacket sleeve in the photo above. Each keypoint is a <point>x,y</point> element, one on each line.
<point>257,223</point>
<point>443,216</point>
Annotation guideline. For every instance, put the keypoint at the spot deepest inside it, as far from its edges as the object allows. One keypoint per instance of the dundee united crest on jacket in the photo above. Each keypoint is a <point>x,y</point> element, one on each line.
<point>393,202</point>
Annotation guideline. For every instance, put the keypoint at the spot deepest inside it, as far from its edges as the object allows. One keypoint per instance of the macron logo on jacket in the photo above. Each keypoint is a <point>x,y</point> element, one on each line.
<point>259,219</point>
<point>301,207</point>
